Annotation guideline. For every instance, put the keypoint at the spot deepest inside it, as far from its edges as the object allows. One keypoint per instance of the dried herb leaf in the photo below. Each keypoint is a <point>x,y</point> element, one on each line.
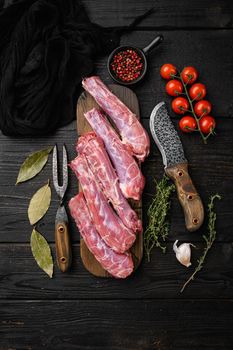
<point>39,204</point>
<point>41,252</point>
<point>33,164</point>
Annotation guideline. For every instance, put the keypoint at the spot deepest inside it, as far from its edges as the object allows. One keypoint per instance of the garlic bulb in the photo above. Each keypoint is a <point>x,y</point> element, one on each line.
<point>183,253</point>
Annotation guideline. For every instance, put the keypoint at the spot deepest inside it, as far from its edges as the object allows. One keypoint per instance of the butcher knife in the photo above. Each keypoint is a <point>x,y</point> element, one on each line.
<point>176,165</point>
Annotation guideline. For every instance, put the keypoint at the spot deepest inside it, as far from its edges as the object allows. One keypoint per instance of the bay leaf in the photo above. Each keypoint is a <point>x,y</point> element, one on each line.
<point>42,252</point>
<point>33,164</point>
<point>39,204</point>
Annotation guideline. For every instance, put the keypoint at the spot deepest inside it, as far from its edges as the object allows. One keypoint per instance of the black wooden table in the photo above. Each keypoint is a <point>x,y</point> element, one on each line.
<point>146,311</point>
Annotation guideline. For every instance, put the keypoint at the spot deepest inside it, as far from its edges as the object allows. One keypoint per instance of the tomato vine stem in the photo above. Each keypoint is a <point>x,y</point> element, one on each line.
<point>186,93</point>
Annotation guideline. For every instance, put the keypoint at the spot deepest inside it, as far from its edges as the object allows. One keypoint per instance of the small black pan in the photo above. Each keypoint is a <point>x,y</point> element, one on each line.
<point>141,52</point>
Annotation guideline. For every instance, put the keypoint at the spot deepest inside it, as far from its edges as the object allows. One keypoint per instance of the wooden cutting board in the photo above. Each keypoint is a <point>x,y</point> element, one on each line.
<point>85,103</point>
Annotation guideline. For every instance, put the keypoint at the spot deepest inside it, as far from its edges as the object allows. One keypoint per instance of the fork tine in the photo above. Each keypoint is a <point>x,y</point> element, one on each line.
<point>60,189</point>
<point>55,175</point>
<point>65,168</point>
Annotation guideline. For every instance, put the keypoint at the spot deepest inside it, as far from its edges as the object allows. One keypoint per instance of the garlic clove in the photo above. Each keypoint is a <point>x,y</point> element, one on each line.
<point>183,253</point>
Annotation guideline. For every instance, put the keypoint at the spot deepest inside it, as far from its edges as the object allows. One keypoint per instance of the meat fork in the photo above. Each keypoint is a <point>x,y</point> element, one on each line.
<point>62,239</point>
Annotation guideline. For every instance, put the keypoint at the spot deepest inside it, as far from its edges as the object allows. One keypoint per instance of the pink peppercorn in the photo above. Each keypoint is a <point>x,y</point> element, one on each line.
<point>127,65</point>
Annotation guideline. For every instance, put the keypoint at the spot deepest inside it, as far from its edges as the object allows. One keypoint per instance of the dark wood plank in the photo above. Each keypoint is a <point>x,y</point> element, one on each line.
<point>117,325</point>
<point>168,14</point>
<point>163,277</point>
<point>15,199</point>
<point>211,52</point>
<point>119,318</point>
<point>211,167</point>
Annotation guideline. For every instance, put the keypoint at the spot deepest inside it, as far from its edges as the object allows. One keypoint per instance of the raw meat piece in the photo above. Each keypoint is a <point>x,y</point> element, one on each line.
<point>130,177</point>
<point>93,148</point>
<point>107,223</point>
<point>118,265</point>
<point>132,132</point>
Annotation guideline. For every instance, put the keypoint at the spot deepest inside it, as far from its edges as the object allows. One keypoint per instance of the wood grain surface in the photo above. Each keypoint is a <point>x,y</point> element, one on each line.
<point>85,103</point>
<point>147,311</point>
<point>167,14</point>
<point>63,246</point>
<point>162,278</point>
<point>188,196</point>
<point>151,327</point>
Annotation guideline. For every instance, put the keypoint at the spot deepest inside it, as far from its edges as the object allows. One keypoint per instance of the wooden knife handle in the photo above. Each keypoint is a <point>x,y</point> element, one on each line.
<point>63,246</point>
<point>188,196</point>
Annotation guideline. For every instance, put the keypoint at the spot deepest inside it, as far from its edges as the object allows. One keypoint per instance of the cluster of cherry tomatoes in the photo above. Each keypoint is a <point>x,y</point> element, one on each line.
<point>193,103</point>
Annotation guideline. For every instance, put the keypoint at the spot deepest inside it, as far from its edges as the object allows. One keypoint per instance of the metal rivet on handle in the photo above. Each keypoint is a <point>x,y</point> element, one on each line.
<point>61,229</point>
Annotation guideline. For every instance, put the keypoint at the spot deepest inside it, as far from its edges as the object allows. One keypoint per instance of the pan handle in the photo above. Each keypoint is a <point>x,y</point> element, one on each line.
<point>153,44</point>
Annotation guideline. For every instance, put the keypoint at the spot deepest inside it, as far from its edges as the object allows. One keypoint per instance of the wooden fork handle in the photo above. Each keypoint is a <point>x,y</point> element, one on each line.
<point>63,246</point>
<point>187,195</point>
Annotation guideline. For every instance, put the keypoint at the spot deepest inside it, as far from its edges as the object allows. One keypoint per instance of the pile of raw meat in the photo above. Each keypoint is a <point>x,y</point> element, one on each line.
<point>108,172</point>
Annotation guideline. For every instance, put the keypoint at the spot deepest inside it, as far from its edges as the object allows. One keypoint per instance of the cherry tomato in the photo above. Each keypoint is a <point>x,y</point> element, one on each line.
<point>202,107</point>
<point>174,87</point>
<point>197,91</point>
<point>180,105</point>
<point>189,75</point>
<point>207,124</point>
<point>167,71</point>
<point>187,124</point>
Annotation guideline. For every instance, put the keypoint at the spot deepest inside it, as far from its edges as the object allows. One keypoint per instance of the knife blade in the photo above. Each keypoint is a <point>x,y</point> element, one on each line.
<point>176,165</point>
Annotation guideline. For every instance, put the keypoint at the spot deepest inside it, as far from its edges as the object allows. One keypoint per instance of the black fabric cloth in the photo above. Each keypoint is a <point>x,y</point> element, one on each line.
<point>46,48</point>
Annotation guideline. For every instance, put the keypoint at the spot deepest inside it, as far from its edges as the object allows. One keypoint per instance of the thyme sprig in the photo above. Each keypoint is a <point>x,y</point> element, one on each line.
<point>209,238</point>
<point>158,227</point>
